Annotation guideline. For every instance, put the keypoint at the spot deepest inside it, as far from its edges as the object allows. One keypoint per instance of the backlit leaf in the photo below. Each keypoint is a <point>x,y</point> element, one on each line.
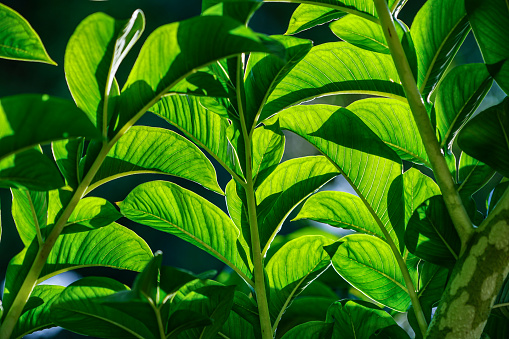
<point>67,154</point>
<point>240,10</point>
<point>268,149</point>
<point>29,211</point>
<point>472,175</point>
<point>308,16</point>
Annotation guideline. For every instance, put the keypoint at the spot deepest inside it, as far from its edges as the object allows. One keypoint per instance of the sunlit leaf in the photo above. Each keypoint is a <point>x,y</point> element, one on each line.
<point>18,39</point>
<point>268,149</point>
<point>29,211</point>
<point>308,16</point>
<point>240,10</point>
<point>418,189</point>
<point>67,154</point>
<point>472,175</point>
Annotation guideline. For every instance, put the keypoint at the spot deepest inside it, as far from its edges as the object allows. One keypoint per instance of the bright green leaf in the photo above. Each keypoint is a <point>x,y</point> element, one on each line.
<point>268,148</point>
<point>472,175</point>
<point>67,154</point>
<point>240,10</point>
<point>29,211</point>
<point>418,189</point>
<point>308,16</point>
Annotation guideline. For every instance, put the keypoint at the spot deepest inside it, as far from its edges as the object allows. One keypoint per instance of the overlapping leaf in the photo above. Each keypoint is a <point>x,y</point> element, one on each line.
<point>418,189</point>
<point>18,40</point>
<point>308,16</point>
<point>67,154</point>
<point>268,149</point>
<point>310,330</point>
<point>472,175</point>
<point>240,10</point>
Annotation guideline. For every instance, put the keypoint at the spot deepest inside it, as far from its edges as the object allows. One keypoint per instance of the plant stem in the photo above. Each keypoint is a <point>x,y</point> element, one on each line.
<point>259,274</point>
<point>452,200</point>
<point>42,254</point>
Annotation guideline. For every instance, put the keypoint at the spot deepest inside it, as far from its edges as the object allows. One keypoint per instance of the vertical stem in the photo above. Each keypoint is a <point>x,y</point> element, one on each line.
<point>259,274</point>
<point>443,177</point>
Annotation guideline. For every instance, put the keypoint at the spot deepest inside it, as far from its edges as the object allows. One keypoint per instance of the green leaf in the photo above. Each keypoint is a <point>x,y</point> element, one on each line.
<point>472,175</point>
<point>30,169</point>
<point>191,218</point>
<point>38,318</point>
<point>390,332</point>
<point>29,211</point>
<point>418,188</point>
<point>28,120</point>
<point>292,182</point>
<point>182,320</point>
<point>369,265</point>
<point>92,57</point>
<point>459,95</point>
<point>438,31</point>
<point>335,68</point>
<point>265,71</point>
<point>485,137</point>
<point>156,150</point>
<point>497,194</point>
<point>240,10</point>
<point>356,319</point>
<point>112,246</point>
<point>310,330</point>
<point>268,148</point>
<point>195,121</point>
<point>292,268</point>
<point>170,55</point>
<point>18,40</point>
<point>369,165</point>
<point>79,309</point>
<point>237,327</point>
<point>308,16</point>
<point>393,122</point>
<point>362,33</point>
<point>431,235</point>
<point>431,286</point>
<point>67,154</point>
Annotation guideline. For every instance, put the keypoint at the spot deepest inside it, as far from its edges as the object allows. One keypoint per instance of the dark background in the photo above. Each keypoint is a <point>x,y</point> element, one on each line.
<point>55,21</point>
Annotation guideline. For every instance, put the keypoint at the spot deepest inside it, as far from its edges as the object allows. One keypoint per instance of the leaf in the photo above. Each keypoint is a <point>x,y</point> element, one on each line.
<point>497,194</point>
<point>485,137</point>
<point>268,148</point>
<point>265,71</point>
<point>182,320</point>
<point>459,95</point>
<point>30,169</point>
<point>292,268</point>
<point>431,286</point>
<point>18,40</point>
<point>170,55</point>
<point>28,120</point>
<point>112,246</point>
<point>431,235</point>
<point>370,166</point>
<point>240,10</point>
<point>335,68</point>
<point>502,301</point>
<point>92,57</point>
<point>369,265</point>
<point>310,330</point>
<point>418,188</point>
<point>438,30</point>
<point>390,332</point>
<point>195,121</point>
<point>472,175</point>
<point>39,317</point>
<point>67,154</point>
<point>156,150</point>
<point>29,211</point>
<point>191,218</point>
<point>308,16</point>
<point>237,327</point>
<point>393,122</point>
<point>79,309</point>
<point>356,319</point>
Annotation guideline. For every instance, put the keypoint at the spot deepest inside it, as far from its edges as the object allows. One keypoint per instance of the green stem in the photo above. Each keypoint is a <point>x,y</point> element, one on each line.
<point>259,274</point>
<point>42,255</point>
<point>443,177</point>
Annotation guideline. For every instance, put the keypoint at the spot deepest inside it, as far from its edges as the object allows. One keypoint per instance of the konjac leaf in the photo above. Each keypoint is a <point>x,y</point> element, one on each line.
<point>191,218</point>
<point>308,16</point>
<point>369,265</point>
<point>290,183</point>
<point>459,95</point>
<point>485,137</point>
<point>28,120</point>
<point>438,31</point>
<point>92,57</point>
<point>392,121</point>
<point>38,318</point>
<point>79,309</point>
<point>29,211</point>
<point>67,154</point>
<point>292,268</point>
<point>335,68</point>
<point>170,54</point>
<point>156,150</point>
<point>18,40</point>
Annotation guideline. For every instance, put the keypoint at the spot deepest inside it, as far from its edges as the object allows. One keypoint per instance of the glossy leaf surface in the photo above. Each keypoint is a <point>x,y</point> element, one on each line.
<point>308,16</point>
<point>18,40</point>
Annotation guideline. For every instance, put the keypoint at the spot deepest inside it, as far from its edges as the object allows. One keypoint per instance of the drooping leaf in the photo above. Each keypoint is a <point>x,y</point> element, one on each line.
<point>196,122</point>
<point>28,120</point>
<point>369,265</point>
<point>38,318</point>
<point>430,234</point>
<point>438,30</point>
<point>485,137</point>
<point>29,169</point>
<point>67,154</point>
<point>92,57</point>
<point>285,188</point>
<point>29,211</point>
<point>265,71</point>
<point>310,330</point>
<point>268,148</point>
<point>18,40</point>
<point>356,319</point>
<point>79,309</point>
<point>308,16</point>
<point>240,10</point>
<point>392,121</point>
<point>370,166</point>
<point>191,218</point>
<point>459,95</point>
<point>170,54</point>
<point>334,68</point>
<point>155,150</point>
<point>472,175</point>
<point>292,268</point>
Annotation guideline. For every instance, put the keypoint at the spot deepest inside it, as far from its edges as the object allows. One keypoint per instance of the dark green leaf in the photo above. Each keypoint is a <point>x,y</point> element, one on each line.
<point>390,332</point>
<point>67,154</point>
<point>182,320</point>
<point>472,175</point>
<point>431,285</point>
<point>18,40</point>
<point>497,194</point>
<point>485,137</point>
<point>310,330</point>
<point>308,16</point>
<point>237,327</point>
